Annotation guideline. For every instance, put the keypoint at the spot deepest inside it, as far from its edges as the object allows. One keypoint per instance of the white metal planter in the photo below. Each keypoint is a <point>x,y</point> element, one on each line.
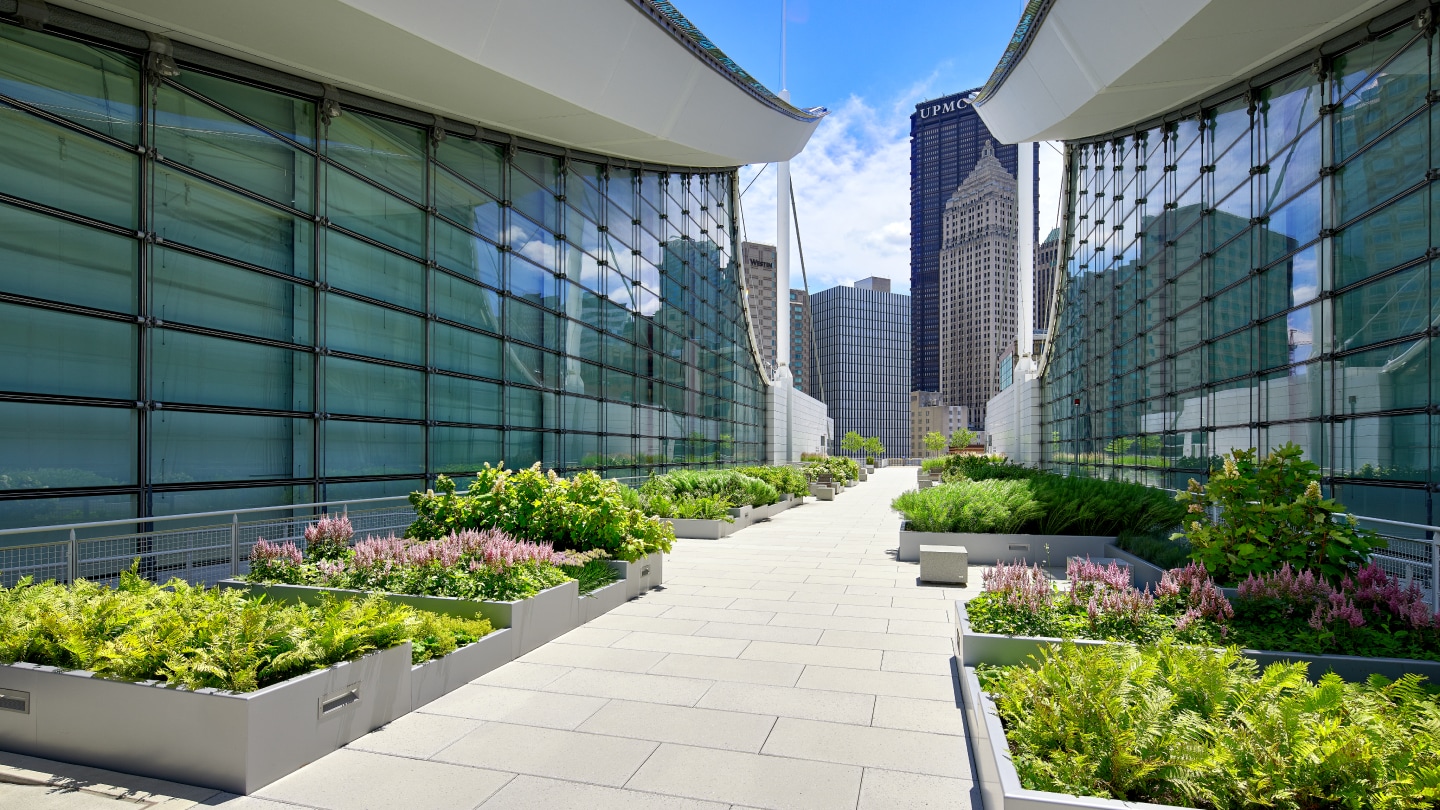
<point>988,549</point>
<point>222,740</point>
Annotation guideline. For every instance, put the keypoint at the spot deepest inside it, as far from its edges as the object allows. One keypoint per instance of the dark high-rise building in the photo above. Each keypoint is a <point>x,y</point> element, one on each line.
<point>946,138</point>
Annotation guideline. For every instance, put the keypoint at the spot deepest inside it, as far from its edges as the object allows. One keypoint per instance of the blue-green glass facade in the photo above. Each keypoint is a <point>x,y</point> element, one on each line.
<point>1261,270</point>
<point>216,293</point>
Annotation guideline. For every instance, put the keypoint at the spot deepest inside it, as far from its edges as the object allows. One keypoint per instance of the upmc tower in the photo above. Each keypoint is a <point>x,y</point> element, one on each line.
<point>946,139</point>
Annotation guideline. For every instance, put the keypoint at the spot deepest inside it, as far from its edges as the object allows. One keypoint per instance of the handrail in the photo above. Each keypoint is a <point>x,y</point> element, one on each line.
<point>97,524</point>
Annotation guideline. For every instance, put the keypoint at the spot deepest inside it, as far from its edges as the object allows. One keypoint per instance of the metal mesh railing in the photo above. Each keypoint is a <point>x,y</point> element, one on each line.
<point>201,554</point>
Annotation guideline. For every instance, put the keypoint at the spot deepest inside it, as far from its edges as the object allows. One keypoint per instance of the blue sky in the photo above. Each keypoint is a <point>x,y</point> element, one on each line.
<point>869,63</point>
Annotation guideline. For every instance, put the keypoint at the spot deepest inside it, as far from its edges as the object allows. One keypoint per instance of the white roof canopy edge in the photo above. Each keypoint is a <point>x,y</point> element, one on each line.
<point>600,76</point>
<point>1100,65</point>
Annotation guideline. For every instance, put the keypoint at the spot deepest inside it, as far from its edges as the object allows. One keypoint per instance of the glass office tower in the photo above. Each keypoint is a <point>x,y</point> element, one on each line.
<point>220,287</point>
<point>1258,270</point>
<point>862,356</point>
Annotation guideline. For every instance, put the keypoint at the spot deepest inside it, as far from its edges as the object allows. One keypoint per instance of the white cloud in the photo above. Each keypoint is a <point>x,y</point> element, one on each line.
<point>852,189</point>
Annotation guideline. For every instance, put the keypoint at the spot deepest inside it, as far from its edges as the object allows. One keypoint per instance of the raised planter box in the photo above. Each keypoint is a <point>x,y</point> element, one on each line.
<point>864,476</point>
<point>741,515</point>
<point>974,648</point>
<point>988,549</point>
<point>760,513</point>
<point>644,574</point>
<point>1144,572</point>
<point>694,529</point>
<point>440,676</point>
<point>545,616</point>
<point>232,742</point>
<point>1000,787</point>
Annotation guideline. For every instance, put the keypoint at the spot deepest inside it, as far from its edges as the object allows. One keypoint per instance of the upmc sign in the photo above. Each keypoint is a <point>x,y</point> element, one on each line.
<point>939,108</point>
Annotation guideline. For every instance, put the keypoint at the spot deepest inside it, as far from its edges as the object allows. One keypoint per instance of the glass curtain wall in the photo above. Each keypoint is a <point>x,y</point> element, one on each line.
<point>1258,273</point>
<point>216,295</point>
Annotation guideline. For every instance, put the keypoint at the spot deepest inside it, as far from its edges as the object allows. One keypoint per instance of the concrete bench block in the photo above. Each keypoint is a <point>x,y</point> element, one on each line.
<point>945,564</point>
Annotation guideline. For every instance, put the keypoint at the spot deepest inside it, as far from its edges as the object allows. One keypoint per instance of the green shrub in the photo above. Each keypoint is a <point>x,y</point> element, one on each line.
<point>584,513</point>
<point>1271,514</point>
<point>985,468</point>
<point>1205,728</point>
<point>844,470</point>
<point>207,638</point>
<point>932,465</point>
<point>703,507</point>
<point>1001,507</point>
<point>1038,503</point>
<point>786,480</point>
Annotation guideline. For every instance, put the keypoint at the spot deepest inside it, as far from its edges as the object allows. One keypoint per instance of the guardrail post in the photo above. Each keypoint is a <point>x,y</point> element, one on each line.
<point>73,553</point>
<point>235,545</point>
<point>1435,572</point>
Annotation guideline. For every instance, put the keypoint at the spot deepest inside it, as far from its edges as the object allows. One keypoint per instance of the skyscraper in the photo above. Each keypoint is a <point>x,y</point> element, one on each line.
<point>759,263</point>
<point>862,340</point>
<point>946,138</point>
<point>1047,256</point>
<point>978,285</point>
<point>802,344</point>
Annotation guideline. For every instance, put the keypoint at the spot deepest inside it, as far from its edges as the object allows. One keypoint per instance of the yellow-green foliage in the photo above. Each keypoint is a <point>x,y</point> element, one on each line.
<point>196,637</point>
<point>1205,728</point>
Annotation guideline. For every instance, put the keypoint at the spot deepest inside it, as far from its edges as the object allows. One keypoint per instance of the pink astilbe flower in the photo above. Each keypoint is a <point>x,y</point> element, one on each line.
<point>1089,579</point>
<point>274,553</point>
<point>1022,586</point>
<point>328,537</point>
<point>1303,588</point>
<point>1193,585</point>
<point>1335,609</point>
<point>1376,590</point>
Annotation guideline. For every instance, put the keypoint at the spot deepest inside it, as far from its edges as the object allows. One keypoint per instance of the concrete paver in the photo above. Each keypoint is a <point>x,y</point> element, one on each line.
<point>794,664</point>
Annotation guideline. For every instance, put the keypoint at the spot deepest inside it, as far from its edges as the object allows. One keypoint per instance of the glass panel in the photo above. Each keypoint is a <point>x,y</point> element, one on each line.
<point>467,206</point>
<point>1373,103</point>
<point>455,349</point>
<point>1395,448</point>
<point>58,511</point>
<point>387,152</point>
<point>193,212</point>
<point>189,289</point>
<point>1393,306</point>
<point>359,328</point>
<point>481,163</point>
<point>464,450</point>
<point>292,117</point>
<point>186,447</point>
<point>466,303</point>
<point>370,389</point>
<point>358,206</point>
<point>49,352</point>
<point>373,448</point>
<point>455,399</point>
<point>1391,236</point>
<point>1388,378</point>
<point>373,272</point>
<point>54,166</point>
<point>192,132</point>
<point>1383,170</point>
<point>83,84</point>
<point>61,261</point>
<point>198,369</point>
<point>466,254</point>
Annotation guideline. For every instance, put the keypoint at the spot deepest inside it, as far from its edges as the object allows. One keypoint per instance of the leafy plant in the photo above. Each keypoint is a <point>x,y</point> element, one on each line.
<point>1198,727</point>
<point>786,480</point>
<point>844,470</point>
<point>584,513</point>
<point>1032,502</point>
<point>962,437</point>
<point>873,447</point>
<point>852,442</point>
<point>198,638</point>
<point>328,538</point>
<point>1271,513</point>
<point>704,507</point>
<point>984,468</point>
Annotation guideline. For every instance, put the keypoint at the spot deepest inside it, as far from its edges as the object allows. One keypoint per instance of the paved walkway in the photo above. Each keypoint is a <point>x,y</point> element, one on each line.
<point>795,664</point>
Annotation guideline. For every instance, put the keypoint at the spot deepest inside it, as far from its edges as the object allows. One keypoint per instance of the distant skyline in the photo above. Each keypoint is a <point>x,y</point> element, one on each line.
<point>852,183</point>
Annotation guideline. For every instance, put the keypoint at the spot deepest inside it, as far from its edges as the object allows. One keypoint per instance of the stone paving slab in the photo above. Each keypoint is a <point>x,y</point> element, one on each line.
<point>794,664</point>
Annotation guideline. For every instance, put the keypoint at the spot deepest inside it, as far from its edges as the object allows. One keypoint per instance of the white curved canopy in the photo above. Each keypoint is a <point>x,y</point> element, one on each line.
<point>595,75</point>
<point>1094,66</point>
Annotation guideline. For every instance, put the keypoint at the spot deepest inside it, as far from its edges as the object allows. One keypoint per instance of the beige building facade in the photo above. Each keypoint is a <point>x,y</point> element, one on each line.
<point>930,414</point>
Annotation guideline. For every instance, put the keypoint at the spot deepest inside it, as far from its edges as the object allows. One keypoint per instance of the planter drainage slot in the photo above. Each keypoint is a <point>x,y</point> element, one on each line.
<point>340,700</point>
<point>1019,547</point>
<point>13,700</point>
<point>645,572</point>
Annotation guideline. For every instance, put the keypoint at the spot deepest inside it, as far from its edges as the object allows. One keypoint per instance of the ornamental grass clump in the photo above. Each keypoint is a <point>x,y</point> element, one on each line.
<point>190,636</point>
<point>470,564</point>
<point>1000,507</point>
<point>1206,728</point>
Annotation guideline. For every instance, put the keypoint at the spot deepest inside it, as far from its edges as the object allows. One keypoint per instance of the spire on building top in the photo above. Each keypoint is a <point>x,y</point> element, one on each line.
<point>988,150</point>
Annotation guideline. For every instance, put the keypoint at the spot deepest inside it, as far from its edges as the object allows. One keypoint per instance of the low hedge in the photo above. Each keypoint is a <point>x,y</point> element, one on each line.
<point>1040,503</point>
<point>704,494</point>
